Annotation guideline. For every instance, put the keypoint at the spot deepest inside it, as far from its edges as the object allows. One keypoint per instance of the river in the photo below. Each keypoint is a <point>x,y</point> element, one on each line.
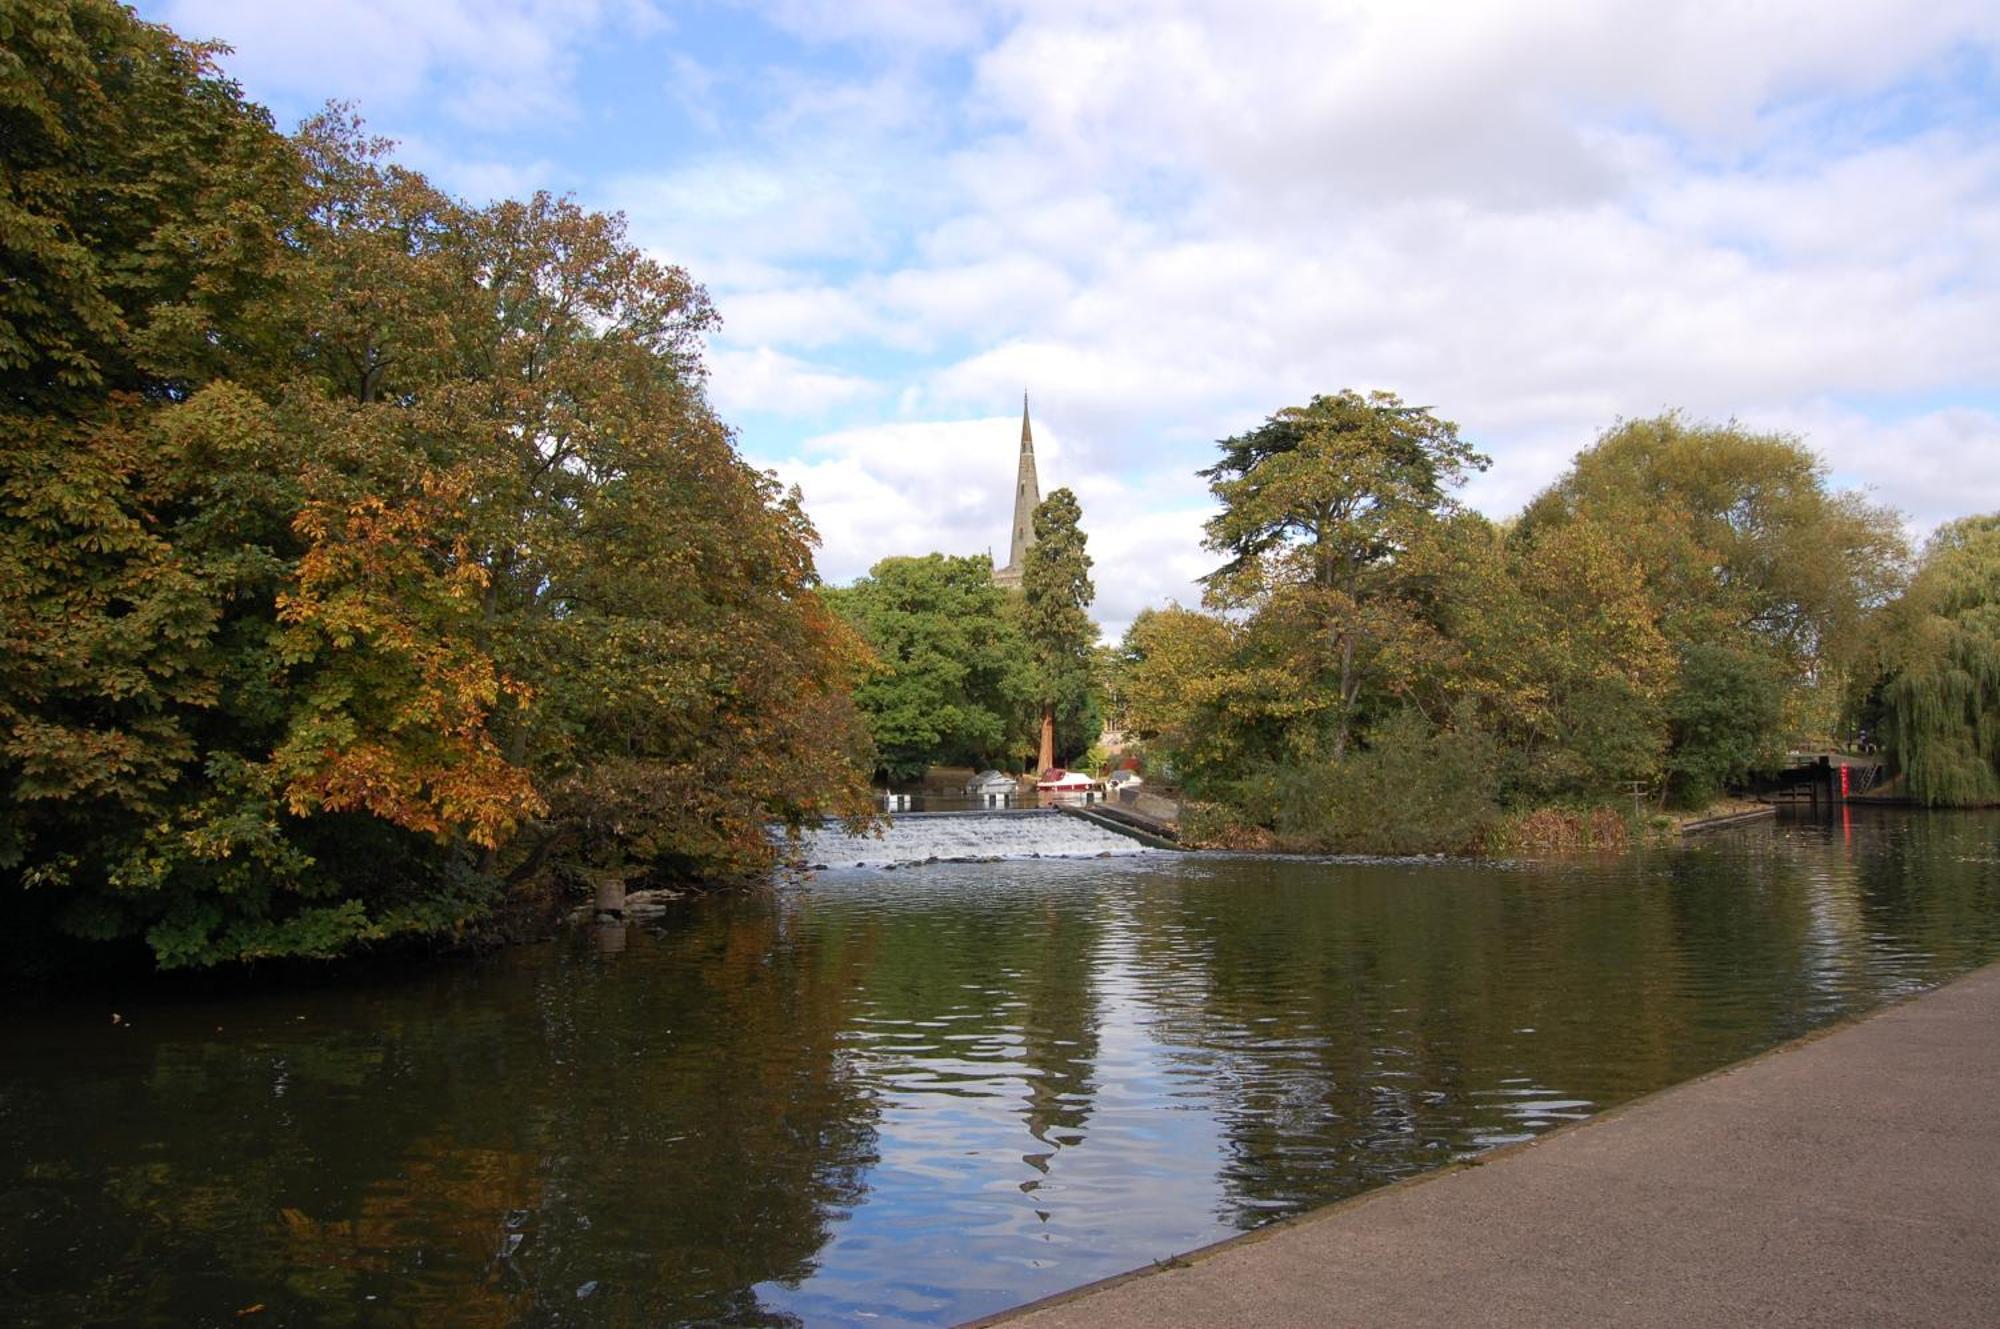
<point>912,1096</point>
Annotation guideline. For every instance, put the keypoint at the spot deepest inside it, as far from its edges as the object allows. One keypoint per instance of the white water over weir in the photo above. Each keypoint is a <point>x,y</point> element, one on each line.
<point>913,838</point>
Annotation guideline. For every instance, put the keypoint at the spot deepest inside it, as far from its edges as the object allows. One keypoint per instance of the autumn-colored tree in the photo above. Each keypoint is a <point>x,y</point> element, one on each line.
<point>1555,640</point>
<point>628,656</point>
<point>1211,699</point>
<point>1761,571</point>
<point>1737,532</point>
<point>364,557</point>
<point>1173,682</point>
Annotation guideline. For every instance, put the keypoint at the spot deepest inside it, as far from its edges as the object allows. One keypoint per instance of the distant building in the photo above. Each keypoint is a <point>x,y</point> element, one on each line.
<point>1027,497</point>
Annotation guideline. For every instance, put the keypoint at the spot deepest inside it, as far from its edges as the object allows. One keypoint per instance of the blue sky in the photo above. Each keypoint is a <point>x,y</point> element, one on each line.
<point>1166,220</point>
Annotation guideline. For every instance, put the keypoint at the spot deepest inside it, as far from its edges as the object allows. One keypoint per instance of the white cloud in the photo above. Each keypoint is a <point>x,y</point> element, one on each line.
<point>767,381</point>
<point>1932,466</point>
<point>790,211</point>
<point>1168,218</point>
<point>1445,96</point>
<point>978,299</point>
<point>906,489</point>
<point>800,316</point>
<point>480,179</point>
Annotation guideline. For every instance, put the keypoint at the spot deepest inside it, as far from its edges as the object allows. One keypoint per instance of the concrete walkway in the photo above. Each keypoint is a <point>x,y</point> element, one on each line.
<point>1852,1178</point>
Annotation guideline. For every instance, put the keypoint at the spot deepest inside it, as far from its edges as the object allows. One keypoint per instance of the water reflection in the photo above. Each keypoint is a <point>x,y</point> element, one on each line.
<point>913,1097</point>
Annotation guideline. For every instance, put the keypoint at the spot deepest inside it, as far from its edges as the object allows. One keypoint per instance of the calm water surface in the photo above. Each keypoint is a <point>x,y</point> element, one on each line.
<point>911,1097</point>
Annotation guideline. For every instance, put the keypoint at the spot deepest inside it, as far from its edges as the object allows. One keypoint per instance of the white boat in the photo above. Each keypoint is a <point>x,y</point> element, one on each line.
<point>1058,781</point>
<point>992,782</point>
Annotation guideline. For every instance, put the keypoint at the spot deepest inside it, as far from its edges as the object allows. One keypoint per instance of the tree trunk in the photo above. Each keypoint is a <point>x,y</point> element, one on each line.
<point>1048,737</point>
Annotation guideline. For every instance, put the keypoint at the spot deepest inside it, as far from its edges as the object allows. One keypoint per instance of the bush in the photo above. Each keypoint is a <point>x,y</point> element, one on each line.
<point>1414,788</point>
<point>1221,826</point>
<point>1558,830</point>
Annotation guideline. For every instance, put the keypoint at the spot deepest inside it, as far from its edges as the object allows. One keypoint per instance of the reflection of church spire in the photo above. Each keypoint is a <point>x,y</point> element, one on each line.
<point>1027,497</point>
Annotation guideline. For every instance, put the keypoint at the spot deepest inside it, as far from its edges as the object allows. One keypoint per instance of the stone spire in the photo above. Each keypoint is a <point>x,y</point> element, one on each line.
<point>1027,497</point>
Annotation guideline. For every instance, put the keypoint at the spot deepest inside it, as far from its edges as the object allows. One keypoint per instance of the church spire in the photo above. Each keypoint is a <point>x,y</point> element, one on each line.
<point>1027,497</point>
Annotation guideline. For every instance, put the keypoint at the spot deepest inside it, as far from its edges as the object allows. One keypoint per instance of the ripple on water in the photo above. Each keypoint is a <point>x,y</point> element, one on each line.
<point>914,1097</point>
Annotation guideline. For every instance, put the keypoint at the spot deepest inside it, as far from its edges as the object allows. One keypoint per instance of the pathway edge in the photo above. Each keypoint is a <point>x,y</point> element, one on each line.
<point>1488,1158</point>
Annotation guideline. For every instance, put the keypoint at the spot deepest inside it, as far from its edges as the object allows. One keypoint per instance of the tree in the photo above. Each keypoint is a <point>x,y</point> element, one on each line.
<point>144,224</point>
<point>1555,639</point>
<point>626,633</point>
<point>1765,576</point>
<point>368,562</point>
<point>1319,506</point>
<point>1737,532</point>
<point>1056,593</point>
<point>951,680</point>
<point>1940,652</point>
<point>1725,712</point>
<point>143,212</point>
<point>1173,682</point>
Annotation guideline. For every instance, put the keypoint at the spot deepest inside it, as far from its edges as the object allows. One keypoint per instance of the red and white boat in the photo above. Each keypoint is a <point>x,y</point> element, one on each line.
<point>1056,780</point>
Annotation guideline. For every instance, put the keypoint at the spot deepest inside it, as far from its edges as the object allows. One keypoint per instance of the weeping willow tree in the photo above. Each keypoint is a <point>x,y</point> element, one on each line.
<point>1941,698</point>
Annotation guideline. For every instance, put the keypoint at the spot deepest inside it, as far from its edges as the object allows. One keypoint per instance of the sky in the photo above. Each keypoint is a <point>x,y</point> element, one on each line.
<point>1167,220</point>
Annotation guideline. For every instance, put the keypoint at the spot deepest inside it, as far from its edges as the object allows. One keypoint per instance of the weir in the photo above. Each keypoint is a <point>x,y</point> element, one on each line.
<point>913,838</point>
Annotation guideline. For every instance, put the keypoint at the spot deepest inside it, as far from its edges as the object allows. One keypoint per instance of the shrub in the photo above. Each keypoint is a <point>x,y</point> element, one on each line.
<point>1414,788</point>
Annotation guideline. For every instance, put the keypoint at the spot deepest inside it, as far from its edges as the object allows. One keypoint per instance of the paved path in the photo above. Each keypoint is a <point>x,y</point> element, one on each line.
<point>1849,1179</point>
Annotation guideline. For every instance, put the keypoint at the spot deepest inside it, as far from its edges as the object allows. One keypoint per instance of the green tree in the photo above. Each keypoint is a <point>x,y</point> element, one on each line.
<point>951,680</point>
<point>1320,505</point>
<point>1940,650</point>
<point>1409,787</point>
<point>1725,712</point>
<point>142,210</point>
<point>1056,594</point>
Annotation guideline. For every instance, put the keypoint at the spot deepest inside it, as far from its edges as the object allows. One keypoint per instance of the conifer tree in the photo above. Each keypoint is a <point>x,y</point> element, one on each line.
<point>1056,594</point>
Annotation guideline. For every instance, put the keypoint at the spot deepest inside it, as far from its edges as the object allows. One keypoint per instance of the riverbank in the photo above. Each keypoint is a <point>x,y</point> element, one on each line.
<point>1722,814</point>
<point>1533,831</point>
<point>1815,1184</point>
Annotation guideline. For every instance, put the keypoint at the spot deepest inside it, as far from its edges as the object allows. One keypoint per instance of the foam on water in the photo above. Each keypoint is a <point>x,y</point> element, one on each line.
<point>928,837</point>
